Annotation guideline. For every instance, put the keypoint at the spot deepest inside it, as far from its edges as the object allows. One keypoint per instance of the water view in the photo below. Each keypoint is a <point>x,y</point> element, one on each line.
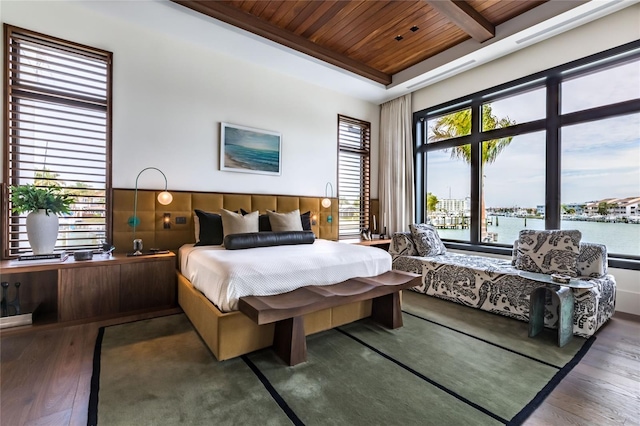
<point>621,238</point>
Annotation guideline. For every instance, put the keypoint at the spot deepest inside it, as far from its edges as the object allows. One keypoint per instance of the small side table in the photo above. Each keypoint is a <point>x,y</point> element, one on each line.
<point>379,243</point>
<point>563,293</point>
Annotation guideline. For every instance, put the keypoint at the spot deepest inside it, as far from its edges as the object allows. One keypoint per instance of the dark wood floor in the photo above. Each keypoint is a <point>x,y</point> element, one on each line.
<point>45,378</point>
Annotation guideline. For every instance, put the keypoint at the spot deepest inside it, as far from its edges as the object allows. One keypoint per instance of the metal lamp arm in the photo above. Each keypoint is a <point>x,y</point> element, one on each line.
<point>135,197</point>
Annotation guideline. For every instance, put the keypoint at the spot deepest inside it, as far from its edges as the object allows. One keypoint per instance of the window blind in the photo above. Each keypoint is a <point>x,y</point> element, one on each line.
<point>58,133</point>
<point>354,139</point>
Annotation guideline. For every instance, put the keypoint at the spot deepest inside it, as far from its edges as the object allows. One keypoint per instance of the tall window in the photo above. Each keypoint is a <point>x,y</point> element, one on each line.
<point>555,150</point>
<point>354,139</point>
<point>58,133</point>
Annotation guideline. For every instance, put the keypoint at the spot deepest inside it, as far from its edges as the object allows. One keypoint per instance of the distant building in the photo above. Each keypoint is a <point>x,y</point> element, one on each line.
<point>629,206</point>
<point>576,207</point>
<point>626,207</point>
<point>540,210</point>
<point>451,205</point>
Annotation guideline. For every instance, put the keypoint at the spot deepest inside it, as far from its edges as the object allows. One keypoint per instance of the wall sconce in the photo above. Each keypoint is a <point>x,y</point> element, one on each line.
<point>326,201</point>
<point>166,221</point>
<point>314,219</point>
<point>164,198</point>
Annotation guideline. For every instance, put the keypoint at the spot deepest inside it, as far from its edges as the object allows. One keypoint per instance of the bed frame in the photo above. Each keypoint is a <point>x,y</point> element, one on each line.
<point>231,334</point>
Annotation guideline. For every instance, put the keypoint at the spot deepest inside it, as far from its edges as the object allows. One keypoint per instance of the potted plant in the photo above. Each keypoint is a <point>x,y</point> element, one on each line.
<point>43,205</point>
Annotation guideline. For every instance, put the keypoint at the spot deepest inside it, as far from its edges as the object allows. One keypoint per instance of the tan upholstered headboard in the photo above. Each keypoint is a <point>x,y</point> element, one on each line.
<point>151,215</point>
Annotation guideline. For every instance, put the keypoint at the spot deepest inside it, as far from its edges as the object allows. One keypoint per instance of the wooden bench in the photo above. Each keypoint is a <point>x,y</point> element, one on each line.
<point>287,309</point>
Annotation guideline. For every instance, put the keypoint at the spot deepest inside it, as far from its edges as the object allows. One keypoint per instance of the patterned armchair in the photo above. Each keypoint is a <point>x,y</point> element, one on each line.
<point>494,285</point>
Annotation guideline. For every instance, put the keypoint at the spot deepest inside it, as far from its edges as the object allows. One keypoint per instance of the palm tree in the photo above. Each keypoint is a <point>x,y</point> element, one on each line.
<point>459,124</point>
<point>432,202</point>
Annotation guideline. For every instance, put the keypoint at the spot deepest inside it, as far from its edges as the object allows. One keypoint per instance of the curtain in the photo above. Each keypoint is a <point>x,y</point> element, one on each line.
<point>396,182</point>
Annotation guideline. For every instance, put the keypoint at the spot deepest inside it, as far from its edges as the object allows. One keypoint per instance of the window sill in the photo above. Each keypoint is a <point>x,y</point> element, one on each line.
<point>614,262</point>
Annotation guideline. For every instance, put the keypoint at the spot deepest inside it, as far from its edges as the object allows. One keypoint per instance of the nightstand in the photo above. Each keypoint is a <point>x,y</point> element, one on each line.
<point>381,244</point>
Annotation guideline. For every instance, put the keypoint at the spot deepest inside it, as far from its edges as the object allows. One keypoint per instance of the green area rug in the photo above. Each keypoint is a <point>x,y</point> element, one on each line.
<point>447,365</point>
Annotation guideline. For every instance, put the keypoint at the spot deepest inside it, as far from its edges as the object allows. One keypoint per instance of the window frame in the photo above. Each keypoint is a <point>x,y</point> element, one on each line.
<point>551,79</point>
<point>364,151</point>
<point>74,48</point>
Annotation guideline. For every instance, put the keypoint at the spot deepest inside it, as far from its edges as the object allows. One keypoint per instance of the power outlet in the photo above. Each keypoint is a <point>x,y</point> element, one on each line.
<point>181,220</point>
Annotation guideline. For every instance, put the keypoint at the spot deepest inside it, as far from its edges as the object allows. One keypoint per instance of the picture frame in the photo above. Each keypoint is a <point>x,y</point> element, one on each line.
<point>248,150</point>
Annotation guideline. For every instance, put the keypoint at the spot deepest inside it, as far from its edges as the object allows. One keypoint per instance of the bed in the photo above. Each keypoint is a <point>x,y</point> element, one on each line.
<point>211,280</point>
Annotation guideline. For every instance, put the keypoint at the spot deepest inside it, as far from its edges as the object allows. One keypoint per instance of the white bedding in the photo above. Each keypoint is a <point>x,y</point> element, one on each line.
<point>224,276</point>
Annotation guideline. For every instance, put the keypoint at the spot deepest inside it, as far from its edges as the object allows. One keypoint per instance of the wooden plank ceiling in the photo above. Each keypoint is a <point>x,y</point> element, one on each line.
<point>371,38</point>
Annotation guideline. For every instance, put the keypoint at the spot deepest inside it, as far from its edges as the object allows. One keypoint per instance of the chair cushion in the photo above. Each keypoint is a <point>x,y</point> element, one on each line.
<point>549,252</point>
<point>427,240</point>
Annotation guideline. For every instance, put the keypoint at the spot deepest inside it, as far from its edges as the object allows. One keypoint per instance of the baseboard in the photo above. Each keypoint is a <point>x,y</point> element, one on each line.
<point>628,302</point>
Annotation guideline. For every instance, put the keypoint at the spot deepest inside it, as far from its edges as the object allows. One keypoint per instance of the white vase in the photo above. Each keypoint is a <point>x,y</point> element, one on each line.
<point>42,231</point>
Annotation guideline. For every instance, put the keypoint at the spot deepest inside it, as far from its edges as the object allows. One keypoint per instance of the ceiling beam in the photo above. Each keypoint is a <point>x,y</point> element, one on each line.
<point>466,18</point>
<point>238,18</point>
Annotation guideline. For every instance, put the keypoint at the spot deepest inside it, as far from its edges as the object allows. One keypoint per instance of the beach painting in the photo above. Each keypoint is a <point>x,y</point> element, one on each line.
<point>248,150</point>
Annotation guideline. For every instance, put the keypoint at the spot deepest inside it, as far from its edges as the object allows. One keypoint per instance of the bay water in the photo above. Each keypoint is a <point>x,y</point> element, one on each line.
<point>620,238</point>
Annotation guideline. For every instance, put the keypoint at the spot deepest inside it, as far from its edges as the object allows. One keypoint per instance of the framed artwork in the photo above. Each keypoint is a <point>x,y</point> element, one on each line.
<point>247,150</point>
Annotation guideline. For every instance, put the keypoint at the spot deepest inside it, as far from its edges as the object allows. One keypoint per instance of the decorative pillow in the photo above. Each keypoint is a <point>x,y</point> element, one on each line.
<point>305,218</point>
<point>263,223</point>
<point>402,245</point>
<point>236,223</point>
<point>427,240</point>
<point>196,227</point>
<point>265,226</point>
<point>592,260</point>
<point>267,239</point>
<point>549,252</point>
<point>282,222</point>
<point>209,230</point>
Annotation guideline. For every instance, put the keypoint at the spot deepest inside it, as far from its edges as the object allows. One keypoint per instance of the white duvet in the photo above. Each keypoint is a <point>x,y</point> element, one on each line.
<point>224,276</point>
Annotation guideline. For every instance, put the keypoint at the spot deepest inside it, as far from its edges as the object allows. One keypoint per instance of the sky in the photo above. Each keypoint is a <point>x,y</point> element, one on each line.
<point>599,159</point>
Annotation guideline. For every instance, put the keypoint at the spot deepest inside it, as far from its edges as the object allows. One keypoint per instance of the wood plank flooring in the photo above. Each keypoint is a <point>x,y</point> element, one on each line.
<point>45,378</point>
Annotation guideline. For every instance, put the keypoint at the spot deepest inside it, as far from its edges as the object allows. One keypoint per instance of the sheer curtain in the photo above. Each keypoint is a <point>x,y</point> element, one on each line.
<point>396,182</point>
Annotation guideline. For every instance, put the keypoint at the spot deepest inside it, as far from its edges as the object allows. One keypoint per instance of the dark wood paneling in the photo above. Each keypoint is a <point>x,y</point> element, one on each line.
<point>147,284</point>
<point>88,292</point>
<point>360,35</point>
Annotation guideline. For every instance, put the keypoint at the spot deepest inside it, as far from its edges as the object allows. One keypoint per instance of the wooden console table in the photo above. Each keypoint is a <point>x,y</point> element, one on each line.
<point>91,289</point>
<point>287,309</point>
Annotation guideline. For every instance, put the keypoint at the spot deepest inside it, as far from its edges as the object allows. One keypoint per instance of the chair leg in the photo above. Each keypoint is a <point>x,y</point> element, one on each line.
<point>565,315</point>
<point>536,311</point>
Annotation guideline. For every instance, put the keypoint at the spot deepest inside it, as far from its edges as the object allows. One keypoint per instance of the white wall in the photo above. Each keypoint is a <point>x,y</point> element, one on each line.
<point>169,96</point>
<point>611,31</point>
<point>605,33</point>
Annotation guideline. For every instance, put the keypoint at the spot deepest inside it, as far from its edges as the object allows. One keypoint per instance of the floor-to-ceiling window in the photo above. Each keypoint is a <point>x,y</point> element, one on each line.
<point>57,133</point>
<point>354,140</point>
<point>556,150</point>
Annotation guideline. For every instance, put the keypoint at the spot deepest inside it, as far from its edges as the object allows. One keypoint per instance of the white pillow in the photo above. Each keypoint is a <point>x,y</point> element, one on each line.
<point>236,223</point>
<point>282,222</point>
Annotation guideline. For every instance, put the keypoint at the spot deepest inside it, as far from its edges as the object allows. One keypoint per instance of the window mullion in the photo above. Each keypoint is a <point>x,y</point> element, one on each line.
<point>476,170</point>
<point>553,152</point>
